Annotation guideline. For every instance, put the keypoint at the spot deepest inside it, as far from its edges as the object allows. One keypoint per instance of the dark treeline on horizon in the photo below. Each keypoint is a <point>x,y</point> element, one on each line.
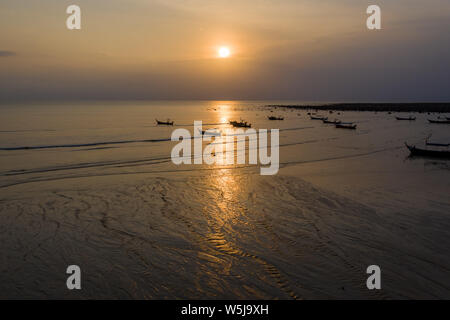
<point>443,107</point>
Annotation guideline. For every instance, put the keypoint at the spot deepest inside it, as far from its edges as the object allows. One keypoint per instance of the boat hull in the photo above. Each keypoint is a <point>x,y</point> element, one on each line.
<point>428,153</point>
<point>343,126</point>
<point>331,122</point>
<point>165,123</point>
<point>439,121</point>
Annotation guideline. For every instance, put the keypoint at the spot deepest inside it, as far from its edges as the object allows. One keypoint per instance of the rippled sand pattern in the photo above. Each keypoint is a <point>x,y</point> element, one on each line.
<point>225,234</point>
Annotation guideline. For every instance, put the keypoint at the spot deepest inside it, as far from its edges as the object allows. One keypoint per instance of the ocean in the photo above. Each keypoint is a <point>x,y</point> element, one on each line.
<point>92,184</point>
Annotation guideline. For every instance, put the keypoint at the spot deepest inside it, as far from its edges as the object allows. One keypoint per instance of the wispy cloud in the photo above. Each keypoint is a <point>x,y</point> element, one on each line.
<point>6,53</point>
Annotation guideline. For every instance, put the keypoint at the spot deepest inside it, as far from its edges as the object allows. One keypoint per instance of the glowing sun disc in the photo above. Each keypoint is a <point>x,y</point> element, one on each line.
<point>224,52</point>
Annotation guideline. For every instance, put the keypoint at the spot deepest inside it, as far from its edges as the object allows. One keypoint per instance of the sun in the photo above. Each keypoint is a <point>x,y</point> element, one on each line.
<point>224,52</point>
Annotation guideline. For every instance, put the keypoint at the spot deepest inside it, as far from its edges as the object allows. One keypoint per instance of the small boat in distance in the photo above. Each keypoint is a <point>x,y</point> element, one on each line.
<point>428,152</point>
<point>436,144</point>
<point>346,126</point>
<point>439,121</point>
<point>331,122</point>
<point>275,118</point>
<point>240,124</point>
<point>210,132</point>
<point>318,118</point>
<point>407,119</point>
<point>165,123</point>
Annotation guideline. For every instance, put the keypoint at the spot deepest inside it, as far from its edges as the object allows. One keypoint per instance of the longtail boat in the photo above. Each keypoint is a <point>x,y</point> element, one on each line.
<point>210,132</point>
<point>331,122</point>
<point>241,124</point>
<point>439,121</point>
<point>318,118</point>
<point>346,126</point>
<point>407,119</point>
<point>428,152</point>
<point>165,123</point>
<point>436,144</point>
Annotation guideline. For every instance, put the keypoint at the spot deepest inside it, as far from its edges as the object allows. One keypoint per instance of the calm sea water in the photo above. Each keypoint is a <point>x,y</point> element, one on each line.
<point>93,184</point>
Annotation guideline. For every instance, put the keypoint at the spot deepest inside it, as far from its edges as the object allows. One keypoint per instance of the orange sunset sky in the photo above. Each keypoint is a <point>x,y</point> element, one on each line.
<point>288,49</point>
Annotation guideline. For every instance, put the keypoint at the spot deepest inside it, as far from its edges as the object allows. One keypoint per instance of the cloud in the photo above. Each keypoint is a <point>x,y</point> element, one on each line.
<point>6,53</point>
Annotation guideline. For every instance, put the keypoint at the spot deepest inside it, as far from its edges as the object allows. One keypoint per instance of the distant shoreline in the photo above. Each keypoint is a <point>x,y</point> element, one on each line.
<point>380,107</point>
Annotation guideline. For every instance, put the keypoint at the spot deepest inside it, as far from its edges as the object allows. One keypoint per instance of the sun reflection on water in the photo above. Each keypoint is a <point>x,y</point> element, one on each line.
<point>224,113</point>
<point>226,193</point>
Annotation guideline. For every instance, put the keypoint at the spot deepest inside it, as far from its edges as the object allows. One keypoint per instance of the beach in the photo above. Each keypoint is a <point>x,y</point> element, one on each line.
<point>93,184</point>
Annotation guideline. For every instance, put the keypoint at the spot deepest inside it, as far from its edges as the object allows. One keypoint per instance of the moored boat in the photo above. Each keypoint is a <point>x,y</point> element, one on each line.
<point>428,152</point>
<point>439,121</point>
<point>331,122</point>
<point>318,118</point>
<point>165,123</point>
<point>240,124</point>
<point>407,119</point>
<point>437,144</point>
<point>346,126</point>
<point>210,132</point>
<point>275,118</point>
